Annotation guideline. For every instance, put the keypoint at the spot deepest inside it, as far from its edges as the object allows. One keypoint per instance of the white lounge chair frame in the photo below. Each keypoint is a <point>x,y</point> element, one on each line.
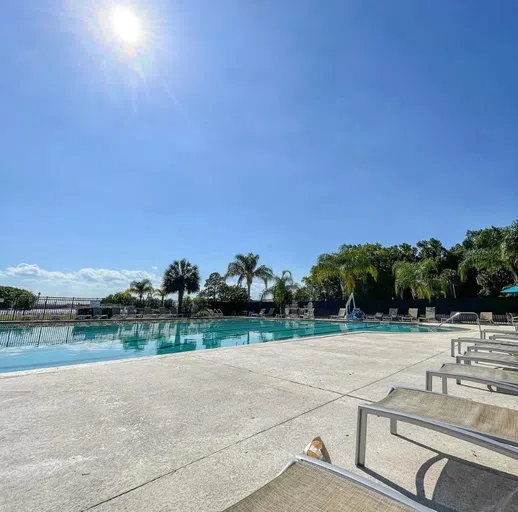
<point>485,332</point>
<point>496,444</point>
<point>445,375</point>
<point>481,357</point>
<point>477,341</point>
<point>511,336</point>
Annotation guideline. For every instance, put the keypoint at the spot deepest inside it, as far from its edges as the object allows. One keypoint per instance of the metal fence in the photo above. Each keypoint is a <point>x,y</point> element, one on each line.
<point>499,306</point>
<point>46,308</point>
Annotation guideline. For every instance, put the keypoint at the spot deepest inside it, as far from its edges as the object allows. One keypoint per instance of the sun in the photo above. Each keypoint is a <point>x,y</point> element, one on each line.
<point>126,25</point>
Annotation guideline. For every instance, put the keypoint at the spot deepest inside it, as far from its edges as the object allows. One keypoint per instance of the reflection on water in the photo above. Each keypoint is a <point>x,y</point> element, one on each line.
<point>35,347</point>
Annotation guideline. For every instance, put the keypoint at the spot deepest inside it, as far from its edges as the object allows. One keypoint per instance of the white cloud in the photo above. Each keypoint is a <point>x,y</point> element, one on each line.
<point>86,282</point>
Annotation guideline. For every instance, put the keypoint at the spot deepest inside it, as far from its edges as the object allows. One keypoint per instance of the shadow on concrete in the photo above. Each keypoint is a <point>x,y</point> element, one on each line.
<point>462,486</point>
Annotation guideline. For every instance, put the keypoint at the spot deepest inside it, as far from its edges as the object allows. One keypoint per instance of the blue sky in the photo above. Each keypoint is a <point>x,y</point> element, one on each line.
<point>280,127</point>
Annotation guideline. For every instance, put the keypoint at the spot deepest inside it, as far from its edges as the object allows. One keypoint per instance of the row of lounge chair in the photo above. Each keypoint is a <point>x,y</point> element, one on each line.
<point>393,316</point>
<point>130,313</point>
<point>307,313</point>
<point>313,485</point>
<point>145,314</point>
<point>289,312</point>
<point>429,316</point>
<point>215,312</point>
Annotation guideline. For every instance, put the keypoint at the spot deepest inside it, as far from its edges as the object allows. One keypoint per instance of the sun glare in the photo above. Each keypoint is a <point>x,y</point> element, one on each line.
<point>126,25</point>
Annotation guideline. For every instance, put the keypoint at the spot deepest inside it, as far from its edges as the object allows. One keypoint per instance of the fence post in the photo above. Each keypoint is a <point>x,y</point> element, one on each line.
<point>45,307</point>
<point>14,308</point>
<point>71,308</point>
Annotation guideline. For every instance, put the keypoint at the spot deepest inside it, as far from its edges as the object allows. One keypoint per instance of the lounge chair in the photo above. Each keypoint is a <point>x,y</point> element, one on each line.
<point>271,312</point>
<point>476,341</point>
<point>491,377</point>
<point>491,332</point>
<point>413,315</point>
<point>392,315</point>
<point>340,315</point>
<point>489,426</point>
<point>377,317</point>
<point>261,313</point>
<point>163,314</point>
<point>294,311</point>
<point>131,313</point>
<point>499,348</point>
<point>510,336</point>
<point>311,485</point>
<point>429,315</point>
<point>495,359</point>
<point>309,314</point>
<point>98,314</point>
<point>147,313</point>
<point>219,312</point>
<point>291,312</point>
<point>486,316</point>
<point>511,318</point>
<point>174,312</point>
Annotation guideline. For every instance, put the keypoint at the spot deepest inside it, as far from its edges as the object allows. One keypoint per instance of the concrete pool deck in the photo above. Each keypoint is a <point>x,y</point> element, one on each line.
<point>198,431</point>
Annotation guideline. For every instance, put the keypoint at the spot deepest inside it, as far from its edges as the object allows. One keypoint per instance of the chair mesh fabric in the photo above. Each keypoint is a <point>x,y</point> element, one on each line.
<point>484,372</point>
<point>492,420</point>
<point>306,488</point>
<point>494,358</point>
<point>495,346</point>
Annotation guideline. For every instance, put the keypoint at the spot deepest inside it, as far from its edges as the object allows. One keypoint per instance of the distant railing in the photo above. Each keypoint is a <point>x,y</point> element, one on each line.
<point>46,308</point>
<point>462,316</point>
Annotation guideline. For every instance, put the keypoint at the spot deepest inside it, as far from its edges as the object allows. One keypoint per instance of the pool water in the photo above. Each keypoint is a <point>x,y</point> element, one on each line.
<point>40,347</point>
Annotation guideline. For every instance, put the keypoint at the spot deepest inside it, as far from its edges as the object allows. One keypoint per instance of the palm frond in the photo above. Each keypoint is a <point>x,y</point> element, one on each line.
<point>480,259</point>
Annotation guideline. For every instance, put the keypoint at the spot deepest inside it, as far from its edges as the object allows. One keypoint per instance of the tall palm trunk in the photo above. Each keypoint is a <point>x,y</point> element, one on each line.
<point>249,286</point>
<point>180,300</point>
<point>342,288</point>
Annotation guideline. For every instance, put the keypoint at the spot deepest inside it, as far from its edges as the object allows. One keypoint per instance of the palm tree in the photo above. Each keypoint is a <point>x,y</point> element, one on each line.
<point>494,257</point>
<point>451,280</point>
<point>245,268</point>
<point>282,291</point>
<point>162,294</point>
<point>509,250</point>
<point>181,276</point>
<point>350,265</point>
<point>421,278</point>
<point>141,288</point>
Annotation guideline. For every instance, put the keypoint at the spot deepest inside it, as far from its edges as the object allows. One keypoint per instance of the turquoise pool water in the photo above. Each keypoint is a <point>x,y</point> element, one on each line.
<point>40,347</point>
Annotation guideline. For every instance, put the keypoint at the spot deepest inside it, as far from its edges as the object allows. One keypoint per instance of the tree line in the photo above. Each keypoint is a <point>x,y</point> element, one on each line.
<point>484,263</point>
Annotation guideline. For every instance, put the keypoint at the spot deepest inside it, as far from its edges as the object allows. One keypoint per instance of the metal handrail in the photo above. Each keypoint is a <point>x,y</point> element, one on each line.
<point>458,313</point>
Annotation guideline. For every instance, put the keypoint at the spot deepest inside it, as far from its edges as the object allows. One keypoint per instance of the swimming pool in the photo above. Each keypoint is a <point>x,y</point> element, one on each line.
<point>40,347</point>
